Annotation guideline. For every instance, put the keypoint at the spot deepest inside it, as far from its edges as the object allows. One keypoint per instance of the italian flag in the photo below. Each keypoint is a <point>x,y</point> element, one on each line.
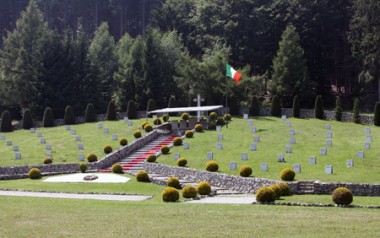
<point>232,73</point>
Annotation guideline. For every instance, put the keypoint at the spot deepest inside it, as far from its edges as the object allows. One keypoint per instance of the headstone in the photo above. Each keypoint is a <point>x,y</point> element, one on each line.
<point>125,119</point>
<point>80,147</point>
<point>244,156</point>
<point>177,156</point>
<point>130,123</point>
<point>288,124</point>
<point>292,132</point>
<point>264,167</point>
<point>3,137</point>
<point>288,149</point>
<point>350,163</point>
<point>49,155</point>
<point>48,147</point>
<point>328,142</point>
<point>292,140</point>
<point>218,128</point>
<point>253,147</point>
<point>210,155</point>
<point>280,158</point>
<point>73,132</point>
<point>360,154</point>
<point>9,143</point>
<point>32,130</point>
<point>329,134</point>
<point>43,141</point>
<point>233,166</point>
<point>323,151</point>
<point>105,130</point>
<point>186,146</point>
<point>328,127</point>
<point>283,117</point>
<point>114,137</point>
<point>245,116</point>
<point>39,134</point>
<point>220,137</point>
<point>81,157</point>
<point>18,156</point>
<point>367,145</point>
<point>68,128</point>
<point>77,138</point>
<point>154,117</point>
<point>15,148</point>
<point>253,129</point>
<point>297,168</point>
<point>368,138</point>
<point>256,138</point>
<point>329,169</point>
<point>100,126</point>
<point>219,146</point>
<point>313,160</point>
<point>250,123</point>
<point>367,130</point>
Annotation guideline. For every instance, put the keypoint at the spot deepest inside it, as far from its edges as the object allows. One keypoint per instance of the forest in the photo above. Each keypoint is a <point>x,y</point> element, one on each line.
<point>56,53</point>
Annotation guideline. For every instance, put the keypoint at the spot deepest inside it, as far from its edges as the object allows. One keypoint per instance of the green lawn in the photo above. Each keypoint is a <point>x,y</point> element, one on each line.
<point>347,139</point>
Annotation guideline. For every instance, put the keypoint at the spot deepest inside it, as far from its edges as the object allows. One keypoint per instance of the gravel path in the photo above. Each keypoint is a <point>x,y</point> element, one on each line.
<point>247,199</point>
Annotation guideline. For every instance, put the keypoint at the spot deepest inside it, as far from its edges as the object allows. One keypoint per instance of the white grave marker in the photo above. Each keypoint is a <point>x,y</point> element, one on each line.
<point>328,142</point>
<point>288,149</point>
<point>367,130</point>
<point>81,157</point>
<point>177,156</point>
<point>256,138</point>
<point>292,140</point>
<point>100,126</point>
<point>328,127</point>
<point>130,123</point>
<point>68,128</point>
<point>9,143</point>
<point>288,124</point>
<point>283,117</point>
<point>292,132</point>
<point>48,147</point>
<point>368,139</point>
<point>244,156</point>
<point>3,138</point>
<point>43,141</point>
<point>32,130</point>
<point>313,160</point>
<point>280,158</point>
<point>297,168</point>
<point>186,146</point>
<point>367,145</point>
<point>250,123</point>
<point>114,137</point>
<point>233,166</point>
<point>360,154</point>
<point>329,134</point>
<point>48,155</point>
<point>220,137</point>
<point>245,116</point>
<point>329,169</point>
<point>253,129</point>
<point>323,151</point>
<point>350,163</point>
<point>80,147</point>
<point>15,148</point>
<point>73,132</point>
<point>219,146</point>
<point>105,130</point>
<point>253,147</point>
<point>264,167</point>
<point>18,156</point>
<point>218,128</point>
<point>210,155</point>
<point>39,134</point>
<point>77,138</point>
<point>125,119</point>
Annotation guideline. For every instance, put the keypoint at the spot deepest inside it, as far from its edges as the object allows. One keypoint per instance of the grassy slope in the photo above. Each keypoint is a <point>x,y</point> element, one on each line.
<point>348,139</point>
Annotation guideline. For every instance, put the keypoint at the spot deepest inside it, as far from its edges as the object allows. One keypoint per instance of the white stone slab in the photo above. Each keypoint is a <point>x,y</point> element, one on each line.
<point>297,168</point>
<point>9,143</point>
<point>360,154</point>
<point>328,127</point>
<point>256,138</point>
<point>218,128</point>
<point>106,130</point>
<point>323,151</point>
<point>3,137</point>
<point>253,147</point>
<point>220,137</point>
<point>288,149</point>
<point>280,158</point>
<point>18,156</point>
<point>73,132</point>
<point>367,130</point>
<point>219,146</point>
<point>210,155</point>
<point>115,137</point>
<point>329,134</point>
<point>329,143</point>
<point>48,155</point>
<point>32,130</point>
<point>15,148</point>
<point>292,132</point>
<point>250,123</point>
<point>43,141</point>
<point>78,177</point>
<point>328,169</point>
<point>264,167</point>
<point>288,124</point>
<point>244,156</point>
<point>253,129</point>
<point>283,117</point>
<point>100,126</point>
<point>186,146</point>
<point>313,160</point>
<point>245,116</point>
<point>177,156</point>
<point>350,163</point>
<point>80,147</point>
<point>126,119</point>
<point>368,139</point>
<point>68,128</point>
<point>77,138</point>
<point>48,147</point>
<point>81,157</point>
<point>292,140</point>
<point>367,146</point>
<point>39,134</point>
<point>130,123</point>
<point>233,166</point>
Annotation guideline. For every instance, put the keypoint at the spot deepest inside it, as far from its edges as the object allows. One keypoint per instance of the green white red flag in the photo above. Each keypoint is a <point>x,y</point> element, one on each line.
<point>232,73</point>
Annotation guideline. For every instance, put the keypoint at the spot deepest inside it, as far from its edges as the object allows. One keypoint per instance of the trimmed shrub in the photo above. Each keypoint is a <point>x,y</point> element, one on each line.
<point>27,120</point>
<point>275,109</point>
<point>212,166</point>
<point>284,189</point>
<point>376,118</point>
<point>90,115</point>
<point>287,174</point>
<point>144,124</point>
<point>83,167</point>
<point>204,188</point>
<point>48,119</point>
<point>137,134</point>
<point>212,125</point>
<point>245,171</point>
<point>150,105</point>
<point>131,110</point>
<point>212,115</point>
<point>185,116</point>
<point>151,158</point>
<point>276,190</point>
<point>318,107</point>
<point>227,117</point>
<point>177,141</point>
<point>117,168</point>
<point>148,128</point>
<point>182,162</point>
<point>170,194</point>
<point>48,161</point>
<point>356,111</point>
<point>123,141</point>
<point>338,109</point>
<point>296,107</point>
<point>254,108</point>
<point>342,196</point>
<point>157,121</point>
<point>198,128</point>
<point>34,173</point>
<point>165,117</point>
<point>92,158</point>
<point>142,176</point>
<point>111,111</point>
<point>6,122</point>
<point>189,191</point>
<point>265,195</point>
<point>189,134</point>
<point>220,121</point>
<point>173,182</point>
<point>107,149</point>
<point>69,117</point>
<point>165,149</point>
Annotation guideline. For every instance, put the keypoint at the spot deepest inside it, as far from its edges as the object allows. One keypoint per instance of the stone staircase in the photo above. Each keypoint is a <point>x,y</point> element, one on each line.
<point>305,187</point>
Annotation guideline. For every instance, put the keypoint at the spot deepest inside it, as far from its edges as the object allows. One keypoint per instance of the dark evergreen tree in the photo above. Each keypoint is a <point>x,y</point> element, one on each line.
<point>48,119</point>
<point>6,122</point>
<point>276,106</point>
<point>151,105</point>
<point>131,110</point>
<point>376,119</point>
<point>90,115</point>
<point>318,107</point>
<point>111,112</point>
<point>69,117</point>
<point>172,102</point>
<point>254,108</point>
<point>338,109</point>
<point>296,107</point>
<point>356,111</point>
<point>27,120</point>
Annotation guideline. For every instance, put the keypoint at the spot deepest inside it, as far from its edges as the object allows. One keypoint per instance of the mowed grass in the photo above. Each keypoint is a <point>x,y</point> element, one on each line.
<point>347,139</point>
<point>64,146</point>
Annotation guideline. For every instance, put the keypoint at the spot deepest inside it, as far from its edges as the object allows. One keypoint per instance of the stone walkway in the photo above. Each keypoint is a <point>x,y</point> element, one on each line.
<point>240,199</point>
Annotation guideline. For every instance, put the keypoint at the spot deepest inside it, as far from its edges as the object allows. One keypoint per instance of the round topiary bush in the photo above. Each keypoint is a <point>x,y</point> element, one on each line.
<point>165,117</point>
<point>111,112</point>
<point>48,119</point>
<point>123,141</point>
<point>198,128</point>
<point>177,141</point>
<point>137,134</point>
<point>275,106</point>
<point>276,190</point>
<point>170,195</point>
<point>287,174</point>
<point>117,168</point>
<point>220,121</point>
<point>27,120</point>
<point>265,195</point>
<point>142,176</point>
<point>212,125</point>
<point>182,162</point>
<point>213,116</point>
<point>83,167</point>
<point>151,158</point>
<point>34,173</point>
<point>92,157</point>
<point>69,117</point>
<point>148,128</point>
<point>296,107</point>
<point>204,188</point>
<point>189,134</point>
<point>212,166</point>
<point>185,116</point>
<point>6,122</point>
<point>245,171</point>
<point>189,191</point>
<point>107,149</point>
<point>173,182</point>
<point>165,149</point>
<point>284,189</point>
<point>227,117</point>
<point>342,196</point>
<point>48,161</point>
<point>144,124</point>
<point>157,121</point>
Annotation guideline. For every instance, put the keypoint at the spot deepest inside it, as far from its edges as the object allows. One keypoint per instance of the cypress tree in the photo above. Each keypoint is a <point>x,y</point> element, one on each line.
<point>48,119</point>
<point>111,111</point>
<point>6,122</point>
<point>296,107</point>
<point>27,120</point>
<point>131,109</point>
<point>69,117</point>
<point>151,105</point>
<point>376,119</point>
<point>318,107</point>
<point>338,109</point>
<point>171,102</point>
<point>356,110</point>
<point>276,106</point>
<point>90,115</point>
<point>255,106</point>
